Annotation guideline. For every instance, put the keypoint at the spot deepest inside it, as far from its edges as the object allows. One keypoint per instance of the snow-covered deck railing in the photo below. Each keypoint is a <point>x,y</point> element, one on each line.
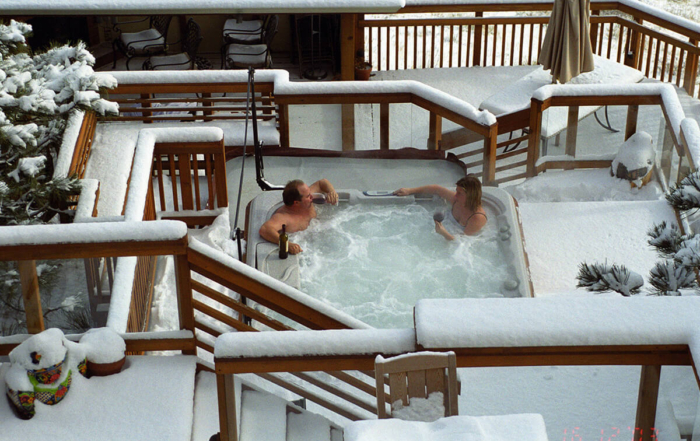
<point>690,138</point>
<point>573,96</point>
<point>135,341</point>
<point>30,242</point>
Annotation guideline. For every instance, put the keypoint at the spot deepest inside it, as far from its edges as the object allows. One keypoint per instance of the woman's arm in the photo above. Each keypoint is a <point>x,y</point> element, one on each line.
<point>475,224</point>
<point>429,189</point>
<point>440,229</point>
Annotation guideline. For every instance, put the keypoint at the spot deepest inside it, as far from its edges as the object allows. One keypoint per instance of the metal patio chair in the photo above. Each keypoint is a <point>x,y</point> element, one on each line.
<point>185,60</point>
<point>417,375</point>
<point>151,41</point>
<point>241,56</point>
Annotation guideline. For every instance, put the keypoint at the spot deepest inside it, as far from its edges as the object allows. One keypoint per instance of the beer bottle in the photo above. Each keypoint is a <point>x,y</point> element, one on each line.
<point>284,243</point>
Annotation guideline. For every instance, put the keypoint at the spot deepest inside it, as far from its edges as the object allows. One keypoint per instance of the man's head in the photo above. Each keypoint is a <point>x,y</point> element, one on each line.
<point>296,191</point>
<point>469,189</point>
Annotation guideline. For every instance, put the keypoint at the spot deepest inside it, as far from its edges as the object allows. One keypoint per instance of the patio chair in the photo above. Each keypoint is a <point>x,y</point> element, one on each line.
<point>186,59</point>
<point>241,56</point>
<point>151,41</point>
<point>417,375</point>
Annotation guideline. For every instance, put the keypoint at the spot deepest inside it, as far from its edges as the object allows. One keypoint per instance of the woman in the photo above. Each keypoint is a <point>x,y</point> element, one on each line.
<point>466,204</point>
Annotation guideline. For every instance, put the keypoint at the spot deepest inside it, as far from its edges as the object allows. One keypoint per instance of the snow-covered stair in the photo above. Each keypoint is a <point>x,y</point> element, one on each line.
<point>266,417</point>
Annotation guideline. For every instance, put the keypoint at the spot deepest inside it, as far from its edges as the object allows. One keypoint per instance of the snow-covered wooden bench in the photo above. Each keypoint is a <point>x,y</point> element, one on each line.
<point>512,104</point>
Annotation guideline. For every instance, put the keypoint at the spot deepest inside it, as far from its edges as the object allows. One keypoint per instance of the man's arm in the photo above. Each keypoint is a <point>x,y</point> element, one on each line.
<point>270,231</point>
<point>325,186</point>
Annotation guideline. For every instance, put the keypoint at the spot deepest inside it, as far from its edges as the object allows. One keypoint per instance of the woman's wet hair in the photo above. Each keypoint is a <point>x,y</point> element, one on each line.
<point>291,192</point>
<point>472,187</point>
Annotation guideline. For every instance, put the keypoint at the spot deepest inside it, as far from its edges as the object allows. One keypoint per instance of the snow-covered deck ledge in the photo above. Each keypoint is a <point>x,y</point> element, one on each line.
<point>608,327</point>
<point>284,88</point>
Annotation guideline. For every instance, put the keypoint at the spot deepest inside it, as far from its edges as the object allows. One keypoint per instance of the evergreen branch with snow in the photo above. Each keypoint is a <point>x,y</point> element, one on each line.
<point>669,277</point>
<point>685,196</point>
<point>601,278</point>
<point>665,238</point>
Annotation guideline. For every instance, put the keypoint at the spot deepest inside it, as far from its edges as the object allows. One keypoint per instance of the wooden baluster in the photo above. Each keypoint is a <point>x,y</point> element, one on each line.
<point>384,126</point>
<point>220,177</point>
<point>415,47</point>
<point>594,32</point>
<point>348,126</point>
<point>173,179</point>
<point>632,116</point>
<point>469,46</point>
<point>637,40</point>
<point>441,46</point>
<point>147,96</point>
<point>159,175</point>
<point>529,48</point>
<point>459,50</point>
<point>432,46</point>
<point>379,48</point>
<point>620,34</point>
<point>405,47</point>
<point>679,71</point>
<point>656,58</point>
<point>388,48</point>
<point>29,281</point>
<point>478,30</point>
<point>195,173</point>
<point>183,160</point>
<point>522,37</point>
<point>435,131</point>
<point>691,70</point>
<point>673,63</point>
<point>493,51</point>
<point>647,401</point>
<point>503,44</point>
<point>425,43</point>
<point>663,62</point>
<point>610,40</point>
<point>210,180</point>
<point>486,45</point>
<point>600,39</point>
<point>207,103</point>
<point>371,45</point>
<point>451,45</point>
<point>512,44</point>
<point>649,53</point>
<point>539,40</point>
<point>396,55</point>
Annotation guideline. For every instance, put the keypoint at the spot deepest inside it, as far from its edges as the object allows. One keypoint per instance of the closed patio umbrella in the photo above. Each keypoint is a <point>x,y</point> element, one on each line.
<point>566,49</point>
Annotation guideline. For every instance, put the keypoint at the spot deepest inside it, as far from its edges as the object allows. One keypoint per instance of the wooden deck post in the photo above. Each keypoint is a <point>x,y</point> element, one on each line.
<point>435,131</point>
<point>184,295</point>
<point>631,126</point>
<point>691,70</point>
<point>635,47</point>
<point>384,126</point>
<point>347,73</point>
<point>571,132</point>
<point>488,176</point>
<point>226,392</point>
<point>594,33</point>
<point>478,30</point>
<point>147,96</point>
<point>533,143</point>
<point>284,125</point>
<point>30,295</point>
<point>207,104</point>
<point>646,402</point>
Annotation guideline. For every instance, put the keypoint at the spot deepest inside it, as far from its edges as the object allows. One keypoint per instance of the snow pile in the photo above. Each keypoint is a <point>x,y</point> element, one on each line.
<point>103,345</point>
<point>520,427</point>
<point>263,417</point>
<point>581,185</point>
<point>635,158</point>
<point>420,409</point>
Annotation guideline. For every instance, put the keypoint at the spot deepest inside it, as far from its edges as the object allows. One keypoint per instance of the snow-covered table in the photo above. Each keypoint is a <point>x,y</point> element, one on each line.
<point>521,427</point>
<point>512,104</point>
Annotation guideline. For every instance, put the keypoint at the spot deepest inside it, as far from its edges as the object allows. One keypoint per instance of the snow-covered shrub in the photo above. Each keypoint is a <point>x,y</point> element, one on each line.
<point>37,91</point>
<point>601,277</point>
<point>670,276</point>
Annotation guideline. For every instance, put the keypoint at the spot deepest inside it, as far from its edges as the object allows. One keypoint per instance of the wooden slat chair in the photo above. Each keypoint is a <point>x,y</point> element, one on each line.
<point>417,375</point>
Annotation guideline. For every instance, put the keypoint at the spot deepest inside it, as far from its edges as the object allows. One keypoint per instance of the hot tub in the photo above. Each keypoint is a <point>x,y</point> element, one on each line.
<point>502,236</point>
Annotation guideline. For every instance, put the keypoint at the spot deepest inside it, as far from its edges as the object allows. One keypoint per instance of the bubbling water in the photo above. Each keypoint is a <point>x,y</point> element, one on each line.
<point>376,261</point>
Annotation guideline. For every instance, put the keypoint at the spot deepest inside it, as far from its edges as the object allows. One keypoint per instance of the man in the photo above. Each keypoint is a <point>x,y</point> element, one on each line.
<point>297,211</point>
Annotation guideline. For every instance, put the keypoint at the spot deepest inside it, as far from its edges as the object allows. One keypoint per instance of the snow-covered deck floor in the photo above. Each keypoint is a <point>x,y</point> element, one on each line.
<point>151,399</point>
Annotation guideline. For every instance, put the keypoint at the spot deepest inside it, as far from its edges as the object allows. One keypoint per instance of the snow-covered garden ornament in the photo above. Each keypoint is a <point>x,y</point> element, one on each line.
<point>41,370</point>
<point>635,160</point>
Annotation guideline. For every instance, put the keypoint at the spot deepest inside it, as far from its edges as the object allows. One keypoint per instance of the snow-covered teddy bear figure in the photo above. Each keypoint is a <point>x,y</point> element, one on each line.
<point>42,367</point>
<point>635,160</point>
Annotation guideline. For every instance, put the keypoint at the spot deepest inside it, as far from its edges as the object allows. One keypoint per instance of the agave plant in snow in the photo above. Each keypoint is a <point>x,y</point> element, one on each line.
<point>37,92</point>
